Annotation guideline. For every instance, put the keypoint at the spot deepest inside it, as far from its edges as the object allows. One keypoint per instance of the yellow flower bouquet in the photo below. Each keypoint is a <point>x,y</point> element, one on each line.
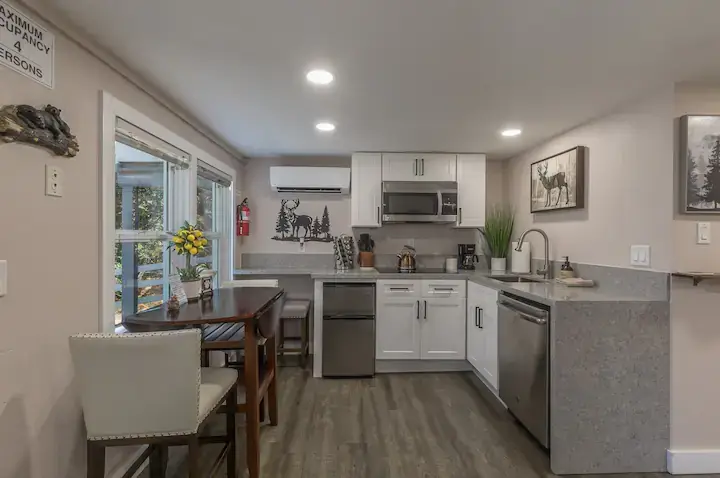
<point>189,241</point>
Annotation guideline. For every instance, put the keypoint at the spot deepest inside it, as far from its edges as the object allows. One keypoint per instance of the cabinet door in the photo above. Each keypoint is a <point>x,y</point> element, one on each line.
<point>474,342</point>
<point>471,170</point>
<point>489,323</point>
<point>366,190</point>
<point>437,167</point>
<point>400,167</point>
<point>443,329</point>
<point>397,328</point>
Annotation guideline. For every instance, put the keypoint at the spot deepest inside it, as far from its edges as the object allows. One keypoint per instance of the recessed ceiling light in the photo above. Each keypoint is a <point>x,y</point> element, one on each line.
<point>320,77</point>
<point>511,132</point>
<point>325,127</point>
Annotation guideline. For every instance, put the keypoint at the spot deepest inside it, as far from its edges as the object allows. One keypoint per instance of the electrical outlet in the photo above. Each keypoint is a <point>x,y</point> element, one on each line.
<point>703,233</point>
<point>640,255</point>
<point>53,181</point>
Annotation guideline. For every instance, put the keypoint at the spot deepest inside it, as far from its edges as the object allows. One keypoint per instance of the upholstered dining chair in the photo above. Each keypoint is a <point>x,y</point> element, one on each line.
<point>149,388</point>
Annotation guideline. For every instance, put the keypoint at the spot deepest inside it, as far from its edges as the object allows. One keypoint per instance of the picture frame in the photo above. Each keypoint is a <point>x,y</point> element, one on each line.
<point>558,182</point>
<point>699,157</point>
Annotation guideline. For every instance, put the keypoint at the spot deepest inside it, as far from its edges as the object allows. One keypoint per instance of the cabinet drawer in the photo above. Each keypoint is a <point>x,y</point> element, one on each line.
<point>398,288</point>
<point>443,288</point>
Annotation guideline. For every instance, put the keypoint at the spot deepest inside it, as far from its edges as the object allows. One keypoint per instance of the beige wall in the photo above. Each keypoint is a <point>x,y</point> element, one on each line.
<point>52,248</point>
<point>690,256</point>
<point>628,187</point>
<point>695,344</point>
<point>264,204</point>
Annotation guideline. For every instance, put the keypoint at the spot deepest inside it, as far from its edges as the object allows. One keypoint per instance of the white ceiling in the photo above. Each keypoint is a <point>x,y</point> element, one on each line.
<point>411,75</point>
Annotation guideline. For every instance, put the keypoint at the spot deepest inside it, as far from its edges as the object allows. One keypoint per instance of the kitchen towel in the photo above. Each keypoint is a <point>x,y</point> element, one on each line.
<point>520,261</point>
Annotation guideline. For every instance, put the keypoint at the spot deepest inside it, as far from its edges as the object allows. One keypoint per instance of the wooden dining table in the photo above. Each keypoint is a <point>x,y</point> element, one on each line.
<point>241,305</point>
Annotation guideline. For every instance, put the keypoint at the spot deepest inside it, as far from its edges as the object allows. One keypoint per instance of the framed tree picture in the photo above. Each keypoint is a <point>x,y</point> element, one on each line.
<point>558,182</point>
<point>700,164</point>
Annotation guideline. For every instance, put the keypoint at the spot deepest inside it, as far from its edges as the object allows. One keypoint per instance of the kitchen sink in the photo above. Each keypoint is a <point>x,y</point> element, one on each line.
<point>515,279</point>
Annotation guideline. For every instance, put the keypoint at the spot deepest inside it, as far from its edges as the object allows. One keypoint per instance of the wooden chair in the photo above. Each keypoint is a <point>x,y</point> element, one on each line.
<point>231,338</point>
<point>149,388</point>
<point>298,310</point>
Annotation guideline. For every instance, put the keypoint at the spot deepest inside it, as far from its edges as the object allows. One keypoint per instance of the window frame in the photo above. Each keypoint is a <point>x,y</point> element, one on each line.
<point>180,211</point>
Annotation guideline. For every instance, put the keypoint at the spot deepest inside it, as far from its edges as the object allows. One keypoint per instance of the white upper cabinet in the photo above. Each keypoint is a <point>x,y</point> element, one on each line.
<point>471,173</point>
<point>419,167</point>
<point>366,190</point>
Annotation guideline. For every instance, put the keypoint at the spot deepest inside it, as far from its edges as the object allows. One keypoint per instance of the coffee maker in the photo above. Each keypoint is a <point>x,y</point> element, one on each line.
<point>467,257</point>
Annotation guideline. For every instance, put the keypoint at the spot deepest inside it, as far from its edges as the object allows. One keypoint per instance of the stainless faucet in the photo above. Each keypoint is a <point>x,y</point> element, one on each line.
<point>547,273</point>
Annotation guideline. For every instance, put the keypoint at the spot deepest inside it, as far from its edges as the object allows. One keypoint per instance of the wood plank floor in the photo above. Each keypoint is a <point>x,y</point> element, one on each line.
<point>395,426</point>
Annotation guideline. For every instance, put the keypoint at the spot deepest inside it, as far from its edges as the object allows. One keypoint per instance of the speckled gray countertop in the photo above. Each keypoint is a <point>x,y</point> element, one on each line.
<point>546,292</point>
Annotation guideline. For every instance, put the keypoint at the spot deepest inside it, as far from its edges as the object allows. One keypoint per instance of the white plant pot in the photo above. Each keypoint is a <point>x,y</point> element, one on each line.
<point>192,289</point>
<point>498,264</point>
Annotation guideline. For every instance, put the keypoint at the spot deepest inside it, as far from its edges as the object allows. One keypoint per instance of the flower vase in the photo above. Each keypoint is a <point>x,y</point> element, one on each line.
<point>498,264</point>
<point>192,289</point>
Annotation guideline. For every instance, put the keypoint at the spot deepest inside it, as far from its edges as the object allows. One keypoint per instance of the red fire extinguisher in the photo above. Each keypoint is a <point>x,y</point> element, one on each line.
<point>243,219</point>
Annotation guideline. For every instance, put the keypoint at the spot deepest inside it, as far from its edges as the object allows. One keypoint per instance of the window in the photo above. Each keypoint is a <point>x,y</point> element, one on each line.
<point>152,182</point>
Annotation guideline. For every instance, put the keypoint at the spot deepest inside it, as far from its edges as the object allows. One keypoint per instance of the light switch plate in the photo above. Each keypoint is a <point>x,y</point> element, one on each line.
<point>3,278</point>
<point>53,181</point>
<point>640,255</point>
<point>703,233</point>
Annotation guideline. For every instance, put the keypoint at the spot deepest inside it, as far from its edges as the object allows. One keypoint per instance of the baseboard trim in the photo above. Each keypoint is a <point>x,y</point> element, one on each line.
<point>482,385</point>
<point>415,366</point>
<point>693,462</point>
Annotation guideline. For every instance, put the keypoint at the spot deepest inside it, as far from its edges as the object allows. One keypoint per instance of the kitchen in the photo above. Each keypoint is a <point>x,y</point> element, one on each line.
<point>534,345</point>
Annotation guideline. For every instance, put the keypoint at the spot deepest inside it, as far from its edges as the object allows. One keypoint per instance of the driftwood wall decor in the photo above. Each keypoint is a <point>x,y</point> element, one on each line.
<point>40,127</point>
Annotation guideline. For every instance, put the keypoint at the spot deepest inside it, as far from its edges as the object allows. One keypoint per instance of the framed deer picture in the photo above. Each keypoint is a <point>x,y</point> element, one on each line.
<point>558,182</point>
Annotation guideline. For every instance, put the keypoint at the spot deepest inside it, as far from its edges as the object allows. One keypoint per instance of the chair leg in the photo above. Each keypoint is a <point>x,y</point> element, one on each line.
<point>252,403</point>
<point>231,431</point>
<point>272,388</point>
<point>95,460</point>
<point>194,457</point>
<point>304,341</point>
<point>158,461</point>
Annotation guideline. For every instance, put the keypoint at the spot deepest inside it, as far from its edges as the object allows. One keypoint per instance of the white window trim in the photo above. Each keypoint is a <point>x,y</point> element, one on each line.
<point>113,108</point>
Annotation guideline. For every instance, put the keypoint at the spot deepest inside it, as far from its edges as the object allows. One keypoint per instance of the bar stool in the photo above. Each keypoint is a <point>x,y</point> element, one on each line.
<point>296,309</point>
<point>149,388</point>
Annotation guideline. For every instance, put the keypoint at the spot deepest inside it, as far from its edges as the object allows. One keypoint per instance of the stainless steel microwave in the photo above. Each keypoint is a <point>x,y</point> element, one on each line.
<point>419,202</point>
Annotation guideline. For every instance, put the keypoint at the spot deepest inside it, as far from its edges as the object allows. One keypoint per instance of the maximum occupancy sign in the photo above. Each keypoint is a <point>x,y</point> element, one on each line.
<point>25,46</point>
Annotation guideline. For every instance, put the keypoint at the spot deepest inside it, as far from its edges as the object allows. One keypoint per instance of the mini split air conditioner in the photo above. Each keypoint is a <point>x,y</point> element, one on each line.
<point>292,179</point>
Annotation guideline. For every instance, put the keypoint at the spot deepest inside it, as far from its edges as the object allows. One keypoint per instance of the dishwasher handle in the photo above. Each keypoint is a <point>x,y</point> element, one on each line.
<point>524,315</point>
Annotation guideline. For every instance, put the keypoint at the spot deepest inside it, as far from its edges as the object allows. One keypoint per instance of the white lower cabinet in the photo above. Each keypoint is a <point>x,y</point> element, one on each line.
<point>420,320</point>
<point>442,334</point>
<point>482,331</point>
<point>397,328</point>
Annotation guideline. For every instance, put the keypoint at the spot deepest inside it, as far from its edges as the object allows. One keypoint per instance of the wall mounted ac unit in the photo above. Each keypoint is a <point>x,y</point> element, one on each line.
<point>294,179</point>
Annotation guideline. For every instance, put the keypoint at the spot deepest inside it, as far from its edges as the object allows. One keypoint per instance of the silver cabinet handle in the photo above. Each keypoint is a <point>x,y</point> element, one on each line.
<point>406,289</point>
<point>425,317</point>
<point>477,318</point>
<point>378,215</point>
<point>422,164</point>
<point>481,316</point>
<point>444,289</point>
<point>417,314</point>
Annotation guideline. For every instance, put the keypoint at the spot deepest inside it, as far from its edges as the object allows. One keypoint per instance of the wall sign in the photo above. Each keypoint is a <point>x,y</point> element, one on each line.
<point>25,46</point>
<point>292,226</point>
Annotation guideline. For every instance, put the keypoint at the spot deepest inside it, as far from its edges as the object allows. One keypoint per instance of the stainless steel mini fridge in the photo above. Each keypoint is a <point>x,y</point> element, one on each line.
<point>348,336</point>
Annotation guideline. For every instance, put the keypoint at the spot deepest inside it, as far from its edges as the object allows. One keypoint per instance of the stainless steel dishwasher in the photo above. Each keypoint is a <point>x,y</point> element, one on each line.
<point>524,362</point>
<point>348,336</point>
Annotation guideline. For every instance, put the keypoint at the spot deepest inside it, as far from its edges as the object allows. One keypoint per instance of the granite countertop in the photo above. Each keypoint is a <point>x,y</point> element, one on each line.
<point>546,292</point>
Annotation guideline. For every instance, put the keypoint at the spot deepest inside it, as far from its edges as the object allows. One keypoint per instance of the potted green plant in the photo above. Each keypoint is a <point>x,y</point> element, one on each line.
<point>497,234</point>
<point>189,241</point>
